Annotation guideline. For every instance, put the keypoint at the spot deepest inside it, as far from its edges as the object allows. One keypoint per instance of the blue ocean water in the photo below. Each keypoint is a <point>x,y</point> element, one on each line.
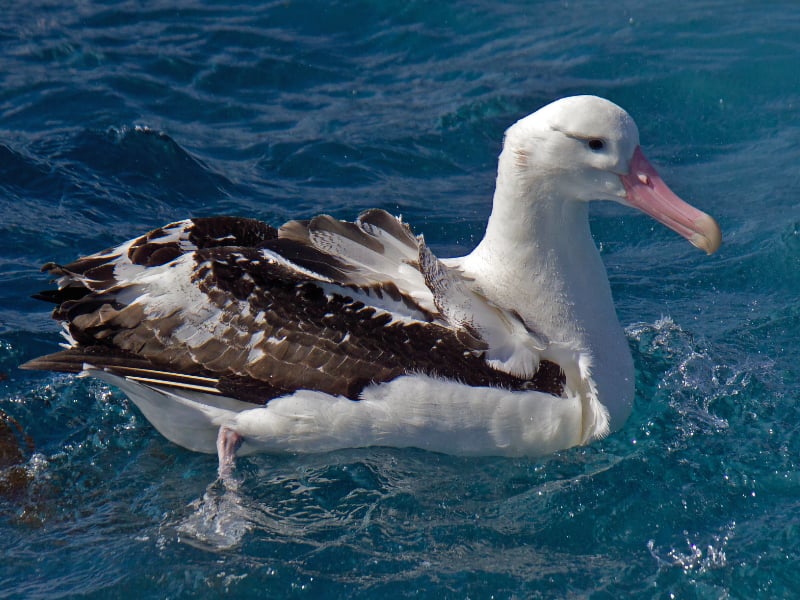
<point>117,117</point>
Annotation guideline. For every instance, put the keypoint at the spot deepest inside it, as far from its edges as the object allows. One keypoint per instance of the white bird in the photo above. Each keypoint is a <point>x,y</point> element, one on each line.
<point>233,337</point>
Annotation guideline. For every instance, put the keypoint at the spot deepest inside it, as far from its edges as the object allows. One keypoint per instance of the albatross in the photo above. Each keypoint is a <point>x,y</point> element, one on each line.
<point>233,337</point>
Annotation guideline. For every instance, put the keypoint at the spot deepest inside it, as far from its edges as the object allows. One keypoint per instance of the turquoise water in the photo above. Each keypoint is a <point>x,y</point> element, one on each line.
<point>119,117</point>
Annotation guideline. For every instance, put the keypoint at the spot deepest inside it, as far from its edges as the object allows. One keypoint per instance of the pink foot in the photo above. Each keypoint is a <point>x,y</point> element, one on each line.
<point>228,442</point>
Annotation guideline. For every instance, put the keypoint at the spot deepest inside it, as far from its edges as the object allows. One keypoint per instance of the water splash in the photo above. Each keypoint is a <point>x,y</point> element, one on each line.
<point>698,558</point>
<point>219,521</point>
<point>689,381</point>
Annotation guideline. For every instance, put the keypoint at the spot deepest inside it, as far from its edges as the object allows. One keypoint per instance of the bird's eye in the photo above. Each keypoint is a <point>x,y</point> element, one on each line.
<point>596,144</point>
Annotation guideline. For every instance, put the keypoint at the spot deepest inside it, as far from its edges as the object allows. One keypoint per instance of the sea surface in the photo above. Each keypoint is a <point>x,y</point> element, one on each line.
<point>118,117</point>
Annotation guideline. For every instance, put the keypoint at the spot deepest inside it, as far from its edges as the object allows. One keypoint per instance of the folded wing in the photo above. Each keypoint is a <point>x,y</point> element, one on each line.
<point>234,307</point>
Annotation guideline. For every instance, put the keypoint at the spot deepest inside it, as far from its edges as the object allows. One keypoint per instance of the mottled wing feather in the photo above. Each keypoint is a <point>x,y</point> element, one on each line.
<point>388,229</point>
<point>122,263</point>
<point>238,308</point>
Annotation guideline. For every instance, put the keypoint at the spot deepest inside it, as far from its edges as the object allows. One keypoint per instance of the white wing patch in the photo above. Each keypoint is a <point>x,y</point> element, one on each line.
<point>379,262</point>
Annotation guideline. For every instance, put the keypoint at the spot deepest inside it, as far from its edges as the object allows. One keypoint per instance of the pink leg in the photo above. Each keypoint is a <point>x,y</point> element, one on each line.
<point>228,442</point>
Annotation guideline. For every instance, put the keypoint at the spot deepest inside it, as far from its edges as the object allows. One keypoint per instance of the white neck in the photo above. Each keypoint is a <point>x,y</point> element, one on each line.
<point>538,257</point>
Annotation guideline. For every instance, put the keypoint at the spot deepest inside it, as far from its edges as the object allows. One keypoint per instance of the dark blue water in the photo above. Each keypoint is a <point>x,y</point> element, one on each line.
<point>119,117</point>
